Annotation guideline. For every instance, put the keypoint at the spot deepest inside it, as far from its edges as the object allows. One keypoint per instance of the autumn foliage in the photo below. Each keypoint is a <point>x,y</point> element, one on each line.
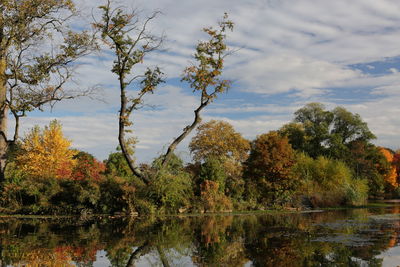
<point>46,153</point>
<point>392,176</point>
<point>268,169</point>
<point>48,177</point>
<point>218,139</point>
<point>87,167</point>
<point>213,200</point>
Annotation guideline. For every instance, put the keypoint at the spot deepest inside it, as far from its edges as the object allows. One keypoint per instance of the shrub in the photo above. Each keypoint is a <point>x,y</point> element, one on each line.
<point>213,170</point>
<point>170,188</point>
<point>212,198</point>
<point>327,182</point>
<point>170,191</point>
<point>76,195</point>
<point>116,195</point>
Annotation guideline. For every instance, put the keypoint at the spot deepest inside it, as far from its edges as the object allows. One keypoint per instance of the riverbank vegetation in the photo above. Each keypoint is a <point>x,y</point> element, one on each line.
<point>323,158</point>
<point>326,159</point>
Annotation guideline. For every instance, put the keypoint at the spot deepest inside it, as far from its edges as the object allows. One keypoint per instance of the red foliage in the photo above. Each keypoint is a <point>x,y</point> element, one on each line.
<point>64,170</point>
<point>87,168</point>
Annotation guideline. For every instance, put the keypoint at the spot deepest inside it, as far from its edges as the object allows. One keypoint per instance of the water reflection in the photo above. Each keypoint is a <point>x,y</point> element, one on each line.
<point>358,237</point>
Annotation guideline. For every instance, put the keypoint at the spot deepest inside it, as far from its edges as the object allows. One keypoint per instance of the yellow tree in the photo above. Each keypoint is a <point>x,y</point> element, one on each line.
<point>219,139</point>
<point>38,54</point>
<point>46,153</point>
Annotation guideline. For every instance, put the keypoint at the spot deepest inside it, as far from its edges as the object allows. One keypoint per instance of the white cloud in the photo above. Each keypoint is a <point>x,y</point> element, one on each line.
<point>302,47</point>
<point>286,72</point>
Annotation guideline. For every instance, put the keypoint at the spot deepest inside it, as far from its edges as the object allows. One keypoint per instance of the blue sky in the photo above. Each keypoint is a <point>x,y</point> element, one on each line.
<point>290,53</point>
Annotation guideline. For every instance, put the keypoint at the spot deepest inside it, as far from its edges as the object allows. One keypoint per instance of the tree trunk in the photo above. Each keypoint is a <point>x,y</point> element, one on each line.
<point>3,117</point>
<point>186,131</point>
<point>121,135</point>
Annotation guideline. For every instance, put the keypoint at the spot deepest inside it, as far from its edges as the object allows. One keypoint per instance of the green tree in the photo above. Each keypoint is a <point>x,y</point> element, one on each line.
<point>33,73</point>
<point>326,133</point>
<point>170,187</point>
<point>296,134</point>
<point>268,169</point>
<point>341,135</point>
<point>212,170</point>
<point>316,122</point>
<point>116,165</point>
<point>346,128</point>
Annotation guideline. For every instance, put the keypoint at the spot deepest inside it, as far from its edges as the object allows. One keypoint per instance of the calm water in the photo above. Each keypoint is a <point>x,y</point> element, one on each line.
<point>357,237</point>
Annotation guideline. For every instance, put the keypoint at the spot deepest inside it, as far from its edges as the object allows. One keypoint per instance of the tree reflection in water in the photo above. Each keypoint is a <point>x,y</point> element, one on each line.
<point>334,238</point>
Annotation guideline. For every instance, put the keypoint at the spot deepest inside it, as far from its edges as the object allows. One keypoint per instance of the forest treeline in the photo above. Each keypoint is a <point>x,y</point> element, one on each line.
<point>321,159</point>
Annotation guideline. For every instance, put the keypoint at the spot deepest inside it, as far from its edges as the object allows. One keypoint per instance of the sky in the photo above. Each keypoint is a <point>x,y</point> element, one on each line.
<point>288,53</point>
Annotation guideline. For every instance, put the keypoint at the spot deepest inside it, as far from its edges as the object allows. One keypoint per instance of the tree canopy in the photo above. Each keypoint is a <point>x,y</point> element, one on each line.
<point>218,139</point>
<point>321,132</point>
<point>268,169</point>
<point>46,153</point>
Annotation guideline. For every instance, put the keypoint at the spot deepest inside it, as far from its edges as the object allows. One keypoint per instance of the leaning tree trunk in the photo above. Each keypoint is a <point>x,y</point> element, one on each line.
<point>3,118</point>
<point>123,117</point>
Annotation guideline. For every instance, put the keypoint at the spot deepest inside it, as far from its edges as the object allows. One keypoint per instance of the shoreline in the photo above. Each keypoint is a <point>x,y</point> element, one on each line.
<point>383,204</point>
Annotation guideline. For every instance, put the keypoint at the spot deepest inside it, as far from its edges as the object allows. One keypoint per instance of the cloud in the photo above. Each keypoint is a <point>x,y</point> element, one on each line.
<point>284,73</point>
<point>300,50</point>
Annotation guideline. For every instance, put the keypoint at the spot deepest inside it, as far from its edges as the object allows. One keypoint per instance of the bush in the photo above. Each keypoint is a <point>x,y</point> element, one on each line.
<point>357,192</point>
<point>170,188</point>
<point>327,183</point>
<point>212,198</point>
<point>75,196</point>
<point>169,191</point>
<point>117,195</point>
<point>213,170</point>
<point>29,196</point>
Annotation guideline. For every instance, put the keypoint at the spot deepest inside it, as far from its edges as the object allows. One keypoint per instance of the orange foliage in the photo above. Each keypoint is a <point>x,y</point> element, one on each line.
<point>396,164</point>
<point>392,176</point>
<point>268,169</point>
<point>87,168</point>
<point>59,256</point>
<point>212,198</point>
<point>46,257</point>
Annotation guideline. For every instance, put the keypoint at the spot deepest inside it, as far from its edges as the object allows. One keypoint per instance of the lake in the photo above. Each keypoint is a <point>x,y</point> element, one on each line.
<point>351,237</point>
